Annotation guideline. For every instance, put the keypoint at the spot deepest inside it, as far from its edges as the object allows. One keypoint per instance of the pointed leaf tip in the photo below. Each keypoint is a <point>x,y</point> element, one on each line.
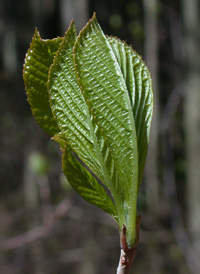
<point>94,16</point>
<point>37,34</point>
<point>72,25</point>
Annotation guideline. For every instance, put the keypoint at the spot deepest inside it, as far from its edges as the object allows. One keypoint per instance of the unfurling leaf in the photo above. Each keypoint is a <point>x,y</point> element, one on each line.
<point>98,106</point>
<point>139,86</point>
<point>85,184</point>
<point>36,67</point>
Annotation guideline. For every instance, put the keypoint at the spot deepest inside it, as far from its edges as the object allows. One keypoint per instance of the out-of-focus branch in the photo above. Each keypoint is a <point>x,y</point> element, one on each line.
<point>77,9</point>
<point>179,232</point>
<point>151,59</point>
<point>173,103</point>
<point>39,231</point>
<point>191,20</point>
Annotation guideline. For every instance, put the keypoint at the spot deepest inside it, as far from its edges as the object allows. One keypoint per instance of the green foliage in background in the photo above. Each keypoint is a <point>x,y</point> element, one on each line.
<point>93,95</point>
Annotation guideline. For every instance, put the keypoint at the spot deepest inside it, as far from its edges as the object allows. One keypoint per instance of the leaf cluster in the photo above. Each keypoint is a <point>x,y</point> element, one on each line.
<point>93,95</point>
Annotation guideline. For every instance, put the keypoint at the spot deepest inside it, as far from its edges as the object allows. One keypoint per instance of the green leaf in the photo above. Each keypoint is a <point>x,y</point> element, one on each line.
<point>68,105</point>
<point>100,104</point>
<point>104,88</point>
<point>72,115</point>
<point>36,67</point>
<point>77,125</point>
<point>139,85</point>
<point>42,52</point>
<point>85,184</point>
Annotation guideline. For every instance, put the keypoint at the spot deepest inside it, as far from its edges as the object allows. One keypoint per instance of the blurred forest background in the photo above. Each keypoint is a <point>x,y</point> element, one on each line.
<point>45,227</point>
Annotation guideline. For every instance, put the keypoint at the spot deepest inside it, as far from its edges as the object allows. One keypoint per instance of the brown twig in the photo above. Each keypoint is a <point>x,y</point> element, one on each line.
<point>127,254</point>
<point>39,231</point>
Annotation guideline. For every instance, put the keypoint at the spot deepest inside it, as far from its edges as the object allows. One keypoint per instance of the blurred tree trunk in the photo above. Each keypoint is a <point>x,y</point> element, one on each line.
<point>73,9</point>
<point>191,21</point>
<point>35,17</point>
<point>9,49</point>
<point>151,59</point>
<point>31,200</point>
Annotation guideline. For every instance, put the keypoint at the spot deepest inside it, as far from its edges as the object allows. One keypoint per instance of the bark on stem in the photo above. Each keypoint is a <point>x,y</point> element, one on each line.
<point>127,254</point>
<point>125,261</point>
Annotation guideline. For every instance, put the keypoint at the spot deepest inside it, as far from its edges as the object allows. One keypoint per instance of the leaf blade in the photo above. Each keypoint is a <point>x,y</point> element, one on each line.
<point>112,108</point>
<point>103,86</point>
<point>86,185</point>
<point>35,73</point>
<point>139,85</point>
<point>68,104</point>
<point>93,150</point>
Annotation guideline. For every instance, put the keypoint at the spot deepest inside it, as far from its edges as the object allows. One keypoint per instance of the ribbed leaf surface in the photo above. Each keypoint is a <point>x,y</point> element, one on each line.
<point>99,104</point>
<point>104,88</point>
<point>72,115</point>
<point>36,67</point>
<point>102,83</point>
<point>139,85</point>
<point>86,185</point>
<point>68,104</point>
